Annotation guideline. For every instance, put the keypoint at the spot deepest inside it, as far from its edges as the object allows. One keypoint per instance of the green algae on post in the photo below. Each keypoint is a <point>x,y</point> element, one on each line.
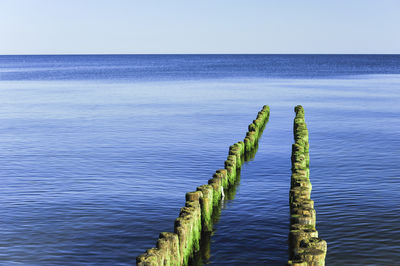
<point>203,206</point>
<point>206,202</point>
<point>255,130</point>
<point>188,229</point>
<point>305,248</point>
<point>166,253</point>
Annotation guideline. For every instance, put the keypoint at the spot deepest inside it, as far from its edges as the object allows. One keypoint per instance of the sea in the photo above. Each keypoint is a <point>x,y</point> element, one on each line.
<point>98,151</point>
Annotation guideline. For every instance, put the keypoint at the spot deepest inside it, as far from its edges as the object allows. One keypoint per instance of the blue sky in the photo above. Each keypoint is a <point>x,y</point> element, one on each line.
<point>203,26</point>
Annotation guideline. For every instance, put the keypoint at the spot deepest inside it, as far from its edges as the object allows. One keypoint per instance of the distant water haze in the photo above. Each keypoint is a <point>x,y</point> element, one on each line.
<point>97,153</point>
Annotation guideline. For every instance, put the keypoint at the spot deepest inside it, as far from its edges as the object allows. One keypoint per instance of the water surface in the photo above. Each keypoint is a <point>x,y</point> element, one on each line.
<point>97,153</point>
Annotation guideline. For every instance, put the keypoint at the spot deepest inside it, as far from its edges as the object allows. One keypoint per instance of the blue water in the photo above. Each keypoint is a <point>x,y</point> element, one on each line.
<point>97,153</point>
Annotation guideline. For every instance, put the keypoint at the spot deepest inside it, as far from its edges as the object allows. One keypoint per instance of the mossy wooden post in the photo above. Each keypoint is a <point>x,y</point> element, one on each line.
<point>255,129</point>
<point>305,248</point>
<point>188,226</point>
<point>235,150</point>
<point>166,252</point>
<point>223,175</point>
<point>149,258</point>
<point>169,244</point>
<point>216,184</point>
<point>230,166</point>
<point>297,263</point>
<point>206,202</point>
<point>203,206</point>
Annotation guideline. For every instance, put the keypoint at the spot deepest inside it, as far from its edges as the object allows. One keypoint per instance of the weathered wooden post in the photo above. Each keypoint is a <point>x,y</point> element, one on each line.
<point>196,218</point>
<point>305,248</point>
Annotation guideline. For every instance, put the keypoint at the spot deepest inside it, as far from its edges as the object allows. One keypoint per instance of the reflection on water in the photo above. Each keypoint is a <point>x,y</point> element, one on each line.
<point>204,254</point>
<point>97,153</point>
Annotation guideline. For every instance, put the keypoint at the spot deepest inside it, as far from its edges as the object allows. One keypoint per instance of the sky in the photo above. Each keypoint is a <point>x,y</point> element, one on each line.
<point>202,26</point>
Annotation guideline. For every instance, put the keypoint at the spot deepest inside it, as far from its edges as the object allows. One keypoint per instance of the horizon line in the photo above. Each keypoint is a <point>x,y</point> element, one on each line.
<point>66,54</point>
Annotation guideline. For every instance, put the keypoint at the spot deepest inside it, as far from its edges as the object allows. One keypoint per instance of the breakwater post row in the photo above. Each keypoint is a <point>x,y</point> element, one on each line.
<point>305,248</point>
<point>196,217</point>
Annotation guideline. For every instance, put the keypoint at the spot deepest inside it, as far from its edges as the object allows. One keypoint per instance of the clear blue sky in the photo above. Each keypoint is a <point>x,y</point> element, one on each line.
<point>202,26</point>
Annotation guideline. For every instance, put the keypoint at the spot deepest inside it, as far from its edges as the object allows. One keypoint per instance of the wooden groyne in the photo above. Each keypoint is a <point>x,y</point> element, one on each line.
<point>195,218</point>
<point>305,248</point>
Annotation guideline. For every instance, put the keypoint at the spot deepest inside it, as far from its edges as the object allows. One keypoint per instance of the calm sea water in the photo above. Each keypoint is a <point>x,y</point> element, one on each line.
<point>97,153</point>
